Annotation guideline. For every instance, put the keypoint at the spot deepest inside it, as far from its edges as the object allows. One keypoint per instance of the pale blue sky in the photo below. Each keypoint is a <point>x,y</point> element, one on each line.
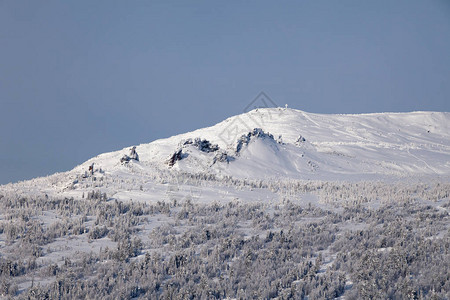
<point>79,78</point>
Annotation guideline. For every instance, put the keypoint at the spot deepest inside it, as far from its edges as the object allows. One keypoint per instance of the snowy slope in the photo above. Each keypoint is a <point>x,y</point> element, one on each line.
<point>291,144</point>
<point>400,144</point>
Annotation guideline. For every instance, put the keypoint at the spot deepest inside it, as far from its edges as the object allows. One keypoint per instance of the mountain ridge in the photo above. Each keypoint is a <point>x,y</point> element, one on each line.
<point>346,130</point>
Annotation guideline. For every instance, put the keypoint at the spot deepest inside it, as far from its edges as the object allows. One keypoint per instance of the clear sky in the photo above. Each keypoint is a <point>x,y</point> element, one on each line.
<point>79,78</point>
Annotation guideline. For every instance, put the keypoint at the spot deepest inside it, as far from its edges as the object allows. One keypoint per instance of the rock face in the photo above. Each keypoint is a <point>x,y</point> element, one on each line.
<point>222,156</point>
<point>203,145</point>
<point>133,156</point>
<point>176,156</point>
<point>245,139</point>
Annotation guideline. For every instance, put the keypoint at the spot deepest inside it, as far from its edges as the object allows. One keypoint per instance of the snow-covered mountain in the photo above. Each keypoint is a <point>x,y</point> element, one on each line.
<point>302,145</point>
<point>279,143</point>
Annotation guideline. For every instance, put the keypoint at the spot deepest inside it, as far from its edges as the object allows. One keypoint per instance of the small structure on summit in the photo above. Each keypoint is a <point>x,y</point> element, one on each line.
<point>133,156</point>
<point>300,140</point>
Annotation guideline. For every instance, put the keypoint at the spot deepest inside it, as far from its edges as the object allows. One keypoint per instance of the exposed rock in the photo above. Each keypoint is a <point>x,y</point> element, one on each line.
<point>133,156</point>
<point>222,156</point>
<point>245,139</point>
<point>176,156</point>
<point>203,145</point>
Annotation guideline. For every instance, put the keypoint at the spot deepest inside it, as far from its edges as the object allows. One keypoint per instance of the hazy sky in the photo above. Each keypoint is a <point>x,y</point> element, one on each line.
<point>79,78</point>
